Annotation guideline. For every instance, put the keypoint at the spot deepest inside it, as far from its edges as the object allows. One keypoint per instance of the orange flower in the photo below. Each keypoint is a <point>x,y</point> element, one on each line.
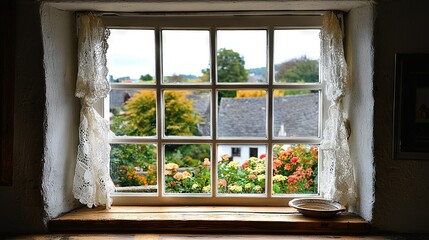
<point>252,176</point>
<point>288,167</point>
<point>206,162</point>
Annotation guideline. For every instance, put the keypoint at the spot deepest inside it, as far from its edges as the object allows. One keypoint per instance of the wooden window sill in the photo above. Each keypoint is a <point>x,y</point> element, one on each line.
<point>201,219</point>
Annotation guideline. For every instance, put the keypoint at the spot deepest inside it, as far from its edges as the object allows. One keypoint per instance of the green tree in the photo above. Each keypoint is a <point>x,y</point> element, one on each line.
<point>230,68</point>
<point>146,78</point>
<point>298,70</point>
<point>139,117</point>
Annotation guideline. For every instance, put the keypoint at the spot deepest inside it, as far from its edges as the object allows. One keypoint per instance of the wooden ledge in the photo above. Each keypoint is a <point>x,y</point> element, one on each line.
<point>200,219</point>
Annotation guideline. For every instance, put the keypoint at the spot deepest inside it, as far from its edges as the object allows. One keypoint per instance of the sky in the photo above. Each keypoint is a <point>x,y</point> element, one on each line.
<point>132,52</point>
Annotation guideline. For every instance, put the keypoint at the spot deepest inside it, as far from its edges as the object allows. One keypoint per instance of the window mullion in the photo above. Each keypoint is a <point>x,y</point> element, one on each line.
<point>213,110</point>
<point>270,120</point>
<point>159,121</point>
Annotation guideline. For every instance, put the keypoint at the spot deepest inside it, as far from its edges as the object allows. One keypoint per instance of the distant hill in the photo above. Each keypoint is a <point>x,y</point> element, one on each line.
<point>261,71</point>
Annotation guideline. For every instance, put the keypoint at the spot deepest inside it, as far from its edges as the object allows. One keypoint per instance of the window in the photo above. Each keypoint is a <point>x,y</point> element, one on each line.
<point>214,109</point>
<point>236,152</point>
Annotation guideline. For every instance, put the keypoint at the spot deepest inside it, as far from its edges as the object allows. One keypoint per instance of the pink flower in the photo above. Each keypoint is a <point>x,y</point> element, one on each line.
<point>252,176</point>
<point>206,162</point>
<point>222,183</point>
<point>225,157</point>
<point>245,164</point>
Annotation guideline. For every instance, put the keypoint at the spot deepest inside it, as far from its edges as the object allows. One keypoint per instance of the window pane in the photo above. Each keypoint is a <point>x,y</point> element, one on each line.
<point>187,168</point>
<point>186,56</point>
<point>242,113</point>
<point>296,113</point>
<point>133,167</point>
<point>241,174</point>
<point>187,113</point>
<point>241,56</point>
<point>296,55</point>
<point>295,169</point>
<point>133,113</point>
<point>131,56</point>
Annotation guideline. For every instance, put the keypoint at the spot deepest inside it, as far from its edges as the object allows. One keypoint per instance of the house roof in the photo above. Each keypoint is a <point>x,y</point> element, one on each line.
<point>246,117</point>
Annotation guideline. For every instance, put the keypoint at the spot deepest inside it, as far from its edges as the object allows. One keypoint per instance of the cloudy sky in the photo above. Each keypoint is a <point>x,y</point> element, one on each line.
<point>132,52</point>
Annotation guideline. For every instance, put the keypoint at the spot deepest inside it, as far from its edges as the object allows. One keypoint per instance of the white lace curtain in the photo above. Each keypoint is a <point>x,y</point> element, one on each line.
<point>92,183</point>
<point>337,175</point>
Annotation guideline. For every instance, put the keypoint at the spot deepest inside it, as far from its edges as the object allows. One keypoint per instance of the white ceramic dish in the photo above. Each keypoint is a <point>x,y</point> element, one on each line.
<point>316,207</point>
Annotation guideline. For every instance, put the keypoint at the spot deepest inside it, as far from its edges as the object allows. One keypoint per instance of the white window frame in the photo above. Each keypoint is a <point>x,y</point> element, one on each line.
<point>214,22</point>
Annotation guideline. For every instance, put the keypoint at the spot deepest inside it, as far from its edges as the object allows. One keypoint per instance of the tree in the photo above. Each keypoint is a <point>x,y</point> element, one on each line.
<point>146,78</point>
<point>230,67</point>
<point>139,117</point>
<point>298,70</point>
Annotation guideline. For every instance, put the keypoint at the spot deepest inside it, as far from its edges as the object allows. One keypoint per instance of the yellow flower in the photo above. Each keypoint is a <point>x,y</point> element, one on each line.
<point>279,178</point>
<point>257,188</point>
<point>207,188</point>
<point>248,186</point>
<point>261,177</point>
<point>195,185</point>
<point>235,188</point>
<point>233,164</point>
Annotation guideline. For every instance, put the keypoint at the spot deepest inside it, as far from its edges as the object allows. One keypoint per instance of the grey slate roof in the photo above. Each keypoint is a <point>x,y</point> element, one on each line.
<point>246,117</point>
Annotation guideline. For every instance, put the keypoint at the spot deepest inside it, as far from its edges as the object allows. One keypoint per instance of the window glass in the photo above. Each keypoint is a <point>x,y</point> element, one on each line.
<point>186,56</point>
<point>241,56</point>
<point>187,113</point>
<point>296,55</point>
<point>131,56</point>
<point>133,112</point>
<point>295,169</point>
<point>244,174</point>
<point>296,113</point>
<point>133,167</point>
<point>187,169</point>
<point>242,113</point>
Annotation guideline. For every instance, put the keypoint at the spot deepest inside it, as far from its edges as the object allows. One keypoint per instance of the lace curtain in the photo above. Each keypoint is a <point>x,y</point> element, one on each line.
<point>92,183</point>
<point>337,175</point>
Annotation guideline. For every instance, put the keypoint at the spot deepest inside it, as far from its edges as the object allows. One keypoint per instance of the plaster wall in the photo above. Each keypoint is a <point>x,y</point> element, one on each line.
<point>62,110</point>
<point>359,103</point>
<point>402,186</point>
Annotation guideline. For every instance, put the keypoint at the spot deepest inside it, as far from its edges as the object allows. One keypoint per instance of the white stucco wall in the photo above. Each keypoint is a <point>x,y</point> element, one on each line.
<point>359,103</point>
<point>62,110</point>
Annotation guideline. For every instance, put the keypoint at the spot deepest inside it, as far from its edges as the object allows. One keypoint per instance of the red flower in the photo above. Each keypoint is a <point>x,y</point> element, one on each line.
<point>294,160</point>
<point>262,156</point>
<point>245,164</point>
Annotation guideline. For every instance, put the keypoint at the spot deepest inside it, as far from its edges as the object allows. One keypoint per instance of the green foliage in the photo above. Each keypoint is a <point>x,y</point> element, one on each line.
<point>298,70</point>
<point>125,159</point>
<point>180,117</point>
<point>138,118</point>
<point>186,154</point>
<point>146,78</point>
<point>230,66</point>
